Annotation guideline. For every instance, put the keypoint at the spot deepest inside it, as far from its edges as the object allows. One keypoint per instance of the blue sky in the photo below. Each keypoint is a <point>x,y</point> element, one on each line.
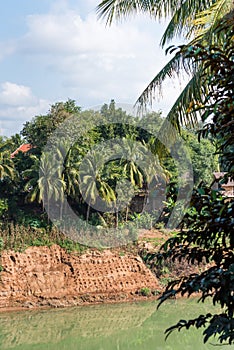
<point>52,50</point>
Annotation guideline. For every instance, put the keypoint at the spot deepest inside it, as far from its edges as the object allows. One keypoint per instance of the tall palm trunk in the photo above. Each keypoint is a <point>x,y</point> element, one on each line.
<point>126,213</point>
<point>48,206</point>
<point>88,211</point>
<point>61,209</point>
<point>116,217</point>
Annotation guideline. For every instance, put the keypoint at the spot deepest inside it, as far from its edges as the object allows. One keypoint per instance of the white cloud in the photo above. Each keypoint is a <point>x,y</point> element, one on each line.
<point>115,62</point>
<point>15,95</point>
<point>18,105</point>
<point>66,34</point>
<point>71,55</point>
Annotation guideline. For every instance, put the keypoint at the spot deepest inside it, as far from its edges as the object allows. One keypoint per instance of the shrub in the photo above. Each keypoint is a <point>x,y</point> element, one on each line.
<point>145,291</point>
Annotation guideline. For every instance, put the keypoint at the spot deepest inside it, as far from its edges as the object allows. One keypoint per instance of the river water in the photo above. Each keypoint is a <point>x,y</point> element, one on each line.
<point>128,326</point>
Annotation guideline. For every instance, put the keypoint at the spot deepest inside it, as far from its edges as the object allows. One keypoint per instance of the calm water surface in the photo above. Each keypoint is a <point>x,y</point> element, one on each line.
<point>130,326</point>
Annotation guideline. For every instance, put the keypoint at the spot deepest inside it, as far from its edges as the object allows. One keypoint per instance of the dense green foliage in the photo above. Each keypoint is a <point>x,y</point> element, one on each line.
<point>207,232</point>
<point>37,131</point>
<point>28,180</point>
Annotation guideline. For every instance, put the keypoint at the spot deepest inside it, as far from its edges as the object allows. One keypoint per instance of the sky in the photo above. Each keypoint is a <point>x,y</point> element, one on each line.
<point>52,50</point>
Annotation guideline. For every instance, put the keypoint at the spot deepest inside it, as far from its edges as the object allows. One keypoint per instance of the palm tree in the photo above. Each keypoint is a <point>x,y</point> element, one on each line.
<point>132,153</point>
<point>6,164</point>
<point>140,166</point>
<point>51,182</point>
<point>72,163</point>
<point>91,183</point>
<point>45,182</point>
<point>197,21</point>
<point>31,175</point>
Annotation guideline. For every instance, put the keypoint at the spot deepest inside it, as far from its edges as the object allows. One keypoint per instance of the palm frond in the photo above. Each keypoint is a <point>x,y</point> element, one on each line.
<point>119,9</point>
<point>172,68</point>
<point>181,112</point>
<point>181,21</point>
<point>207,20</point>
<point>33,195</point>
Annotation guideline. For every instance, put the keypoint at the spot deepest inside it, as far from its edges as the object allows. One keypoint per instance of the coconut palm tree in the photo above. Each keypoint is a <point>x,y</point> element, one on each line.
<point>91,183</point>
<point>31,175</point>
<point>197,21</point>
<point>45,182</point>
<point>6,164</point>
<point>131,154</point>
<point>139,165</point>
<point>51,182</point>
<point>72,163</point>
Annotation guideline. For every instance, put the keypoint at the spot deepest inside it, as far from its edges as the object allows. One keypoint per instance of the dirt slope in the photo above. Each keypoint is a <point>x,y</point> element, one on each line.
<point>48,276</point>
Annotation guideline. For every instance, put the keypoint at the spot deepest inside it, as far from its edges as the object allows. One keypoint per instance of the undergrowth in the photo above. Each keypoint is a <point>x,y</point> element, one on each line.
<point>19,237</point>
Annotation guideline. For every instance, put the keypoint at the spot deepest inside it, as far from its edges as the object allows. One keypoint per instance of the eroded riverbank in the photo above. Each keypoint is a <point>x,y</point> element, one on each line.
<point>51,277</point>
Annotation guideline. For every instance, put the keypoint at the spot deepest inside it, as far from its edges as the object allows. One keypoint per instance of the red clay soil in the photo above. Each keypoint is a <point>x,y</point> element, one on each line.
<point>48,276</point>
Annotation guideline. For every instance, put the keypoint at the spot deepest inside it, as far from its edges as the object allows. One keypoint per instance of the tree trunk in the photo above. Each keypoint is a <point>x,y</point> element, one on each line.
<point>48,207</point>
<point>88,212</point>
<point>116,218</point>
<point>144,202</point>
<point>61,210</point>
<point>126,214</point>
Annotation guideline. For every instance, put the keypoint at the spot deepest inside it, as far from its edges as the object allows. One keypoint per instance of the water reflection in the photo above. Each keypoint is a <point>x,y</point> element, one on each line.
<point>130,326</point>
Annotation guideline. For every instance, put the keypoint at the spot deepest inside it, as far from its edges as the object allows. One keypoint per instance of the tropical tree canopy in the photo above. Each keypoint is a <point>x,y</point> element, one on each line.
<point>116,181</point>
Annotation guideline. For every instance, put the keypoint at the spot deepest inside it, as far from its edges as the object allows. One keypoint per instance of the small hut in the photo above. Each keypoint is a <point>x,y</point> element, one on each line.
<point>227,188</point>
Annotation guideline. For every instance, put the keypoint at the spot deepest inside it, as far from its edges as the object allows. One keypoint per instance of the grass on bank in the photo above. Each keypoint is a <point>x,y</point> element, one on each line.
<point>18,238</point>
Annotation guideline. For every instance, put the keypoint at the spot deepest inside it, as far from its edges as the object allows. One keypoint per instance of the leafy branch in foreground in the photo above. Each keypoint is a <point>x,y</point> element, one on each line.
<point>207,237</point>
<point>207,229</point>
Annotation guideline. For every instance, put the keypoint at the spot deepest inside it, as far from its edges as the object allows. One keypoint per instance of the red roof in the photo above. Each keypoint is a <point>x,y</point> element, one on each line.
<point>23,148</point>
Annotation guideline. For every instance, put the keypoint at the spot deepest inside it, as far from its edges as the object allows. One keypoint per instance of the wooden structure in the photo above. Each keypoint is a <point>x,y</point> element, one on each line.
<point>226,188</point>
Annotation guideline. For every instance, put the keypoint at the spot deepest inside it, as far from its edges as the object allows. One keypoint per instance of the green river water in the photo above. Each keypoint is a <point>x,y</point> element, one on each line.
<point>128,326</point>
